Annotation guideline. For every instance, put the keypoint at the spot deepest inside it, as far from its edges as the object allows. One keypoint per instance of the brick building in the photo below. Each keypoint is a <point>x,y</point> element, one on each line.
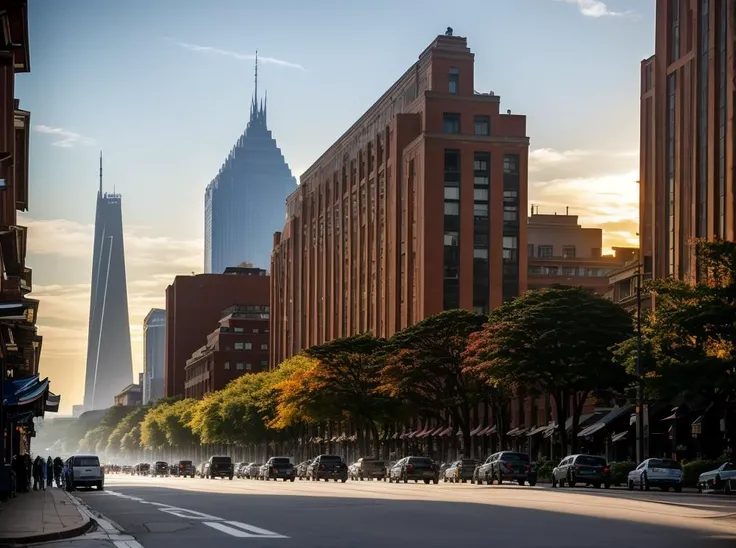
<point>194,306</point>
<point>239,345</point>
<point>561,251</point>
<point>687,134</point>
<point>419,207</point>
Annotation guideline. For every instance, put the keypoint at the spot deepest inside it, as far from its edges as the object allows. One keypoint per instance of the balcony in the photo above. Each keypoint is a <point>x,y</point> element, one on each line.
<point>26,281</point>
<point>13,240</point>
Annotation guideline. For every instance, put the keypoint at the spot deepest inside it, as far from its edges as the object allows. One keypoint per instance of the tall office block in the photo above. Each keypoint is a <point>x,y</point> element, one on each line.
<point>154,343</point>
<point>109,360</point>
<point>244,204</point>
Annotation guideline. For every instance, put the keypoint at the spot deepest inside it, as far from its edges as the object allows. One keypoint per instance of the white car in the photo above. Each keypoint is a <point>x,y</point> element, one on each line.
<point>85,471</point>
<point>662,473</point>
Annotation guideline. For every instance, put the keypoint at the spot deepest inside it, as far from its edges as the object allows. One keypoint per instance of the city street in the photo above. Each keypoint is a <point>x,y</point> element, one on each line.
<point>169,512</point>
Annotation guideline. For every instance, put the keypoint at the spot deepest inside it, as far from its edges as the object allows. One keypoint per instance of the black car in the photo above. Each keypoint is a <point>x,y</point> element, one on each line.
<point>278,467</point>
<point>219,467</point>
<point>414,468</point>
<point>160,468</point>
<point>507,466</point>
<point>184,468</point>
<point>328,467</point>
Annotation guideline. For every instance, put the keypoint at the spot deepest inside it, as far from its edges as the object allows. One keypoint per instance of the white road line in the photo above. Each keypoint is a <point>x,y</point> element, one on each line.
<point>127,544</point>
<point>242,530</point>
<point>187,514</point>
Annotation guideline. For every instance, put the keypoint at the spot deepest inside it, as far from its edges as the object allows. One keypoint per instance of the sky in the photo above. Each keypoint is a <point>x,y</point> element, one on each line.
<point>164,89</point>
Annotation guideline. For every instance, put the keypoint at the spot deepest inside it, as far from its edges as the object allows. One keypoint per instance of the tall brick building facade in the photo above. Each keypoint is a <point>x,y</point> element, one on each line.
<point>419,207</point>
<point>687,134</point>
<point>194,306</point>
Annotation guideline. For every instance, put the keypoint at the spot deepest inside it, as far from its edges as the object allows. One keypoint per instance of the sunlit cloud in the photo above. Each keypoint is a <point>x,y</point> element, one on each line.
<point>595,8</point>
<point>64,137</point>
<point>237,55</point>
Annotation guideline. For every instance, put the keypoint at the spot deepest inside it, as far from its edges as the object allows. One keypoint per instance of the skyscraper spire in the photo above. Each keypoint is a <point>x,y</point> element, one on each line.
<point>265,107</point>
<point>254,103</point>
<point>100,173</point>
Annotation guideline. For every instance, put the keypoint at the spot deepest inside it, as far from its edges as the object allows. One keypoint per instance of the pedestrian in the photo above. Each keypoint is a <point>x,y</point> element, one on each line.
<point>49,472</point>
<point>58,468</point>
<point>65,477</point>
<point>36,472</point>
<point>43,474</point>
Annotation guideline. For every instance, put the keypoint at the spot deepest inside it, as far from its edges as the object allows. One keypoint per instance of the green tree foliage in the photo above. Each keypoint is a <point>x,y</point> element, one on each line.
<point>153,435</point>
<point>425,370</point>
<point>688,341</point>
<point>557,341</point>
<point>131,441</point>
<point>207,418</point>
<point>133,418</point>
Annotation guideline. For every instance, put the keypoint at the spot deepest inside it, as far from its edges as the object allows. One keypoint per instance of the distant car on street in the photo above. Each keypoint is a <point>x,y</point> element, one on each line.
<point>722,478</point>
<point>663,473</point>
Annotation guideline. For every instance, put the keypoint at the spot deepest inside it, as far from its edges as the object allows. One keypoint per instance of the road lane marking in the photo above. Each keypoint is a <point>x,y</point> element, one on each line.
<point>127,544</point>
<point>233,528</point>
<point>242,530</point>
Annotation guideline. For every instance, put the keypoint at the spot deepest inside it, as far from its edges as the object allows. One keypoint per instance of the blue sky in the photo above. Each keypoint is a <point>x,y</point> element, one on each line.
<point>136,79</point>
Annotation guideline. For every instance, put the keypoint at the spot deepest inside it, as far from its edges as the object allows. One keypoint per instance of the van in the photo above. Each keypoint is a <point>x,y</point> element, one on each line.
<point>85,471</point>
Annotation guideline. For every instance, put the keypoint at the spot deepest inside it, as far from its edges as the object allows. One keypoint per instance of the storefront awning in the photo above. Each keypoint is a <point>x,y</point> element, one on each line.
<point>619,436</point>
<point>612,415</point>
<point>24,391</point>
<point>52,402</point>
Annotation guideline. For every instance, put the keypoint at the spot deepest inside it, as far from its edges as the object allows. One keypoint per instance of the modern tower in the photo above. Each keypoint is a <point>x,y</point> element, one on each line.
<point>154,343</point>
<point>244,203</point>
<point>109,360</point>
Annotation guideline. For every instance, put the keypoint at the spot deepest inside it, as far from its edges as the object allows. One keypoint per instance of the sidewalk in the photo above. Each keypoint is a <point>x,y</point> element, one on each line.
<point>41,516</point>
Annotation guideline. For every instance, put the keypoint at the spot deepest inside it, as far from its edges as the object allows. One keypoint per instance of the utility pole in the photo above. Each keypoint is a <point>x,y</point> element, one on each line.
<point>639,374</point>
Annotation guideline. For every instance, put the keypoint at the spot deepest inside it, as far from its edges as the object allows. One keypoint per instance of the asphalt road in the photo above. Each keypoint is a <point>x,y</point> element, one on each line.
<point>179,512</point>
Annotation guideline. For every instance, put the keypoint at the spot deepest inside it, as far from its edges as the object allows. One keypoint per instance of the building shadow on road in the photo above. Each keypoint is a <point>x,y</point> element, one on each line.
<point>360,522</point>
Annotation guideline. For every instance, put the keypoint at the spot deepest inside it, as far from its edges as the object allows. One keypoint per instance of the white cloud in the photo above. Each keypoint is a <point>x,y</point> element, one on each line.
<point>65,138</point>
<point>541,157</point>
<point>237,55</point>
<point>595,8</point>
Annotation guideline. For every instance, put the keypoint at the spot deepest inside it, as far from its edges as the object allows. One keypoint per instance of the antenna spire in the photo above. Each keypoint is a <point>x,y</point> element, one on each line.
<point>255,95</point>
<point>100,173</point>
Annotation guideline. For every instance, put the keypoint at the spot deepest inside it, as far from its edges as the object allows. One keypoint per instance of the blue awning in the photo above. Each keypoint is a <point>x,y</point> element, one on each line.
<point>24,391</point>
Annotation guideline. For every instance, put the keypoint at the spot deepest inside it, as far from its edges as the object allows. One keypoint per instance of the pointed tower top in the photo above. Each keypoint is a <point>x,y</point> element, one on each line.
<point>100,173</point>
<point>255,93</point>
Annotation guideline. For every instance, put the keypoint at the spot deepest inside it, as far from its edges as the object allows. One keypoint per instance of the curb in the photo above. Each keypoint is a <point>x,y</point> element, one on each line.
<point>60,535</point>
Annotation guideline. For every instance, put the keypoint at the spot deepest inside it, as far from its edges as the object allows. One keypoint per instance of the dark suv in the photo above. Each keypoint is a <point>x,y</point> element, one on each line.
<point>219,467</point>
<point>185,468</point>
<point>328,467</point>
<point>278,467</point>
<point>160,468</point>
<point>582,469</point>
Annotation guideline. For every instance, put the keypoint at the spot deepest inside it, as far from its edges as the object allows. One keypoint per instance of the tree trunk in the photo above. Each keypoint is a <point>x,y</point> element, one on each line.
<point>562,406</point>
<point>376,438</point>
<point>578,401</point>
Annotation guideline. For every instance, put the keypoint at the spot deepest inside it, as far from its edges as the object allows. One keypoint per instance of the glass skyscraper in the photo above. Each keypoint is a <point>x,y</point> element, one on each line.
<point>244,204</point>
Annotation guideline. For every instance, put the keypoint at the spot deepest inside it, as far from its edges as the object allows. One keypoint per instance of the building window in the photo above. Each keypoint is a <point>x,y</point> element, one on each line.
<point>568,251</point>
<point>480,210</point>
<point>510,213</point>
<point>452,208</point>
<point>237,329</point>
<point>511,164</point>
<point>482,125</point>
<point>239,346</point>
<point>451,123</point>
<point>510,242</point>
<point>227,365</point>
<point>264,363</point>
<point>670,173</point>
<point>568,270</point>
<point>264,346</point>
<point>675,35</point>
<point>248,367</point>
<point>545,251</point>
<point>239,366</point>
<point>452,238</point>
<point>480,253</point>
<point>248,346</point>
<point>256,331</point>
<point>453,81</point>
<point>480,194</point>
<point>452,193</point>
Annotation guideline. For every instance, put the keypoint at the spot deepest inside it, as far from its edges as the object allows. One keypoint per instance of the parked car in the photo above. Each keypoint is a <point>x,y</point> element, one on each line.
<point>84,471</point>
<point>201,469</point>
<point>582,469</point>
<point>328,467</point>
<point>142,469</point>
<point>723,477</point>
<point>367,468</point>
<point>301,469</point>
<point>507,466</point>
<point>251,472</point>
<point>278,468</point>
<point>414,468</point>
<point>184,468</point>
<point>160,468</point>
<point>461,470</point>
<point>662,473</point>
<point>219,467</point>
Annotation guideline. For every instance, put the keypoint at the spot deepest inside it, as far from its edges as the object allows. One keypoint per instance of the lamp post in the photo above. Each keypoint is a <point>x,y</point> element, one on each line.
<point>639,374</point>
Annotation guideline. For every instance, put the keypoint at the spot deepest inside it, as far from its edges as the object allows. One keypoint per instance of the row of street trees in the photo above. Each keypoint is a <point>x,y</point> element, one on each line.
<point>563,342</point>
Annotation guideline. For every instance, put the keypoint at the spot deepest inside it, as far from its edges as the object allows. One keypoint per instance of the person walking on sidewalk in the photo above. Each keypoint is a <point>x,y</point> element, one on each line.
<point>49,472</point>
<point>58,468</point>
<point>36,473</point>
<point>43,474</point>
